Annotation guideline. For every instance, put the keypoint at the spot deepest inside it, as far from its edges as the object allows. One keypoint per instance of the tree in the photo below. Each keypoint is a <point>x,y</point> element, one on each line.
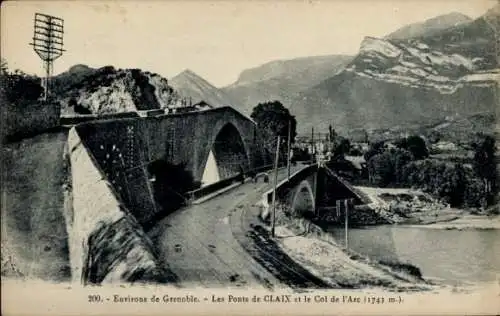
<point>484,163</point>
<point>18,87</point>
<point>342,147</point>
<point>19,94</point>
<point>380,169</point>
<point>474,193</point>
<point>388,166</point>
<point>375,148</point>
<point>400,158</point>
<point>453,184</point>
<point>414,144</point>
<point>331,133</point>
<point>272,119</point>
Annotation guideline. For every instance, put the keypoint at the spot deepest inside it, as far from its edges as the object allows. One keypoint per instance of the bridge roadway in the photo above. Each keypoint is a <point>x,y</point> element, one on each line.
<point>219,243</point>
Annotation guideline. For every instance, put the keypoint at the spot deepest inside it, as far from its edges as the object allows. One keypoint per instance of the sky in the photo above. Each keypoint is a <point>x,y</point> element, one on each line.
<point>215,39</point>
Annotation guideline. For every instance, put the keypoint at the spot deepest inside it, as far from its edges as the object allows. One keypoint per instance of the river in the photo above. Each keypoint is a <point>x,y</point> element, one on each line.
<point>453,256</point>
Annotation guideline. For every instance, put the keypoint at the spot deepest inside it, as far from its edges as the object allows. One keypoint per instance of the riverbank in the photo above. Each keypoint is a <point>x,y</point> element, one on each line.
<point>342,269</point>
<point>390,257</point>
<point>466,222</point>
<point>318,252</point>
<point>404,206</point>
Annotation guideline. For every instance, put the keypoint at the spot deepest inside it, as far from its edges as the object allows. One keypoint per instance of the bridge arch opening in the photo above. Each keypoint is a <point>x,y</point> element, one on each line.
<point>303,203</point>
<point>227,156</point>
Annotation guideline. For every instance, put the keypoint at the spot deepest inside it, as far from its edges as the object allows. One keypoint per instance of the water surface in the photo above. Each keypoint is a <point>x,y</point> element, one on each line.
<point>453,255</point>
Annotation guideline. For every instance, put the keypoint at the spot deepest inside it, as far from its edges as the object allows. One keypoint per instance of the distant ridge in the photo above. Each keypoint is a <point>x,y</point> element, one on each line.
<point>430,26</point>
<point>282,79</point>
<point>193,87</point>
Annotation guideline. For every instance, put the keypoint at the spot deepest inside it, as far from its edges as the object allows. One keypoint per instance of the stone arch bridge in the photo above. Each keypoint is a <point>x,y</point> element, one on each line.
<point>210,145</point>
<point>308,191</point>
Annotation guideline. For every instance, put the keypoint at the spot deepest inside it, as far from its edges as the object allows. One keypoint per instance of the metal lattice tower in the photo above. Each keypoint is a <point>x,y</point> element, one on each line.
<point>48,44</point>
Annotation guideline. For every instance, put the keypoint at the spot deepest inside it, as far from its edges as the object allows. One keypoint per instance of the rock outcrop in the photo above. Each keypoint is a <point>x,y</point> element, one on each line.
<point>84,90</point>
<point>417,80</point>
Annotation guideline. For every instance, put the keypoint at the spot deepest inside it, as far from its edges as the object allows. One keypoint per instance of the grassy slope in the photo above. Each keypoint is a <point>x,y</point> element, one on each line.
<point>33,227</point>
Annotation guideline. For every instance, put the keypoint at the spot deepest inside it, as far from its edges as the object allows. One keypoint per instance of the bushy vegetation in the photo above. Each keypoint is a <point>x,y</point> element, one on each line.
<point>144,95</point>
<point>21,108</point>
<point>386,167</point>
<point>69,83</point>
<point>18,87</point>
<point>484,163</point>
<point>415,145</point>
<point>408,164</point>
<point>452,182</point>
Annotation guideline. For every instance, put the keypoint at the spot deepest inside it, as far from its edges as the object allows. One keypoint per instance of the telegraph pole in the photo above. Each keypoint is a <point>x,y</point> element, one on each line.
<point>275,184</point>
<point>346,220</point>
<point>289,142</point>
<point>313,149</point>
<point>48,44</point>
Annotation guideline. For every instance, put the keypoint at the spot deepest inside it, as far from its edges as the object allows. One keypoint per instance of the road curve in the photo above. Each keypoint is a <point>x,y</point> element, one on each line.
<point>219,243</point>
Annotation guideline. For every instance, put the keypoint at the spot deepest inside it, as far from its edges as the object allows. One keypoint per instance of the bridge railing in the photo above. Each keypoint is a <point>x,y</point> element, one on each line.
<point>211,188</point>
<point>219,185</point>
<point>293,179</point>
<point>82,118</point>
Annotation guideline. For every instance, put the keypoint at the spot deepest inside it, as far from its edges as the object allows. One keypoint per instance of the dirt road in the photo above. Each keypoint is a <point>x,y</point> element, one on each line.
<point>215,244</point>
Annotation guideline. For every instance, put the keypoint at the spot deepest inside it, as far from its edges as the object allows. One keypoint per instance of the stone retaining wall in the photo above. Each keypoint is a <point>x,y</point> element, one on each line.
<point>106,243</point>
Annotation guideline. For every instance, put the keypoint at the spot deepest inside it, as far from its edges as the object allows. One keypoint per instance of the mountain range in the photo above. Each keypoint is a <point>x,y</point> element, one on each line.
<point>444,67</point>
<point>432,70</point>
<point>282,79</point>
<point>394,82</point>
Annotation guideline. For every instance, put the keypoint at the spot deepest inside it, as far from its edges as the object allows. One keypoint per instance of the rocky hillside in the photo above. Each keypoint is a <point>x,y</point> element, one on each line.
<point>408,81</point>
<point>430,26</point>
<point>458,129</point>
<point>282,79</point>
<point>193,87</point>
<point>85,90</point>
<point>461,130</point>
